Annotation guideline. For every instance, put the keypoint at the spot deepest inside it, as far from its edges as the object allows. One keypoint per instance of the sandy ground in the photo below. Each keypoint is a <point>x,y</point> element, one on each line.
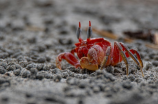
<point>34,32</point>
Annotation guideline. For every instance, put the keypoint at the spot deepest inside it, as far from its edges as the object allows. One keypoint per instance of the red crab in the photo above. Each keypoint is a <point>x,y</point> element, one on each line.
<point>97,53</point>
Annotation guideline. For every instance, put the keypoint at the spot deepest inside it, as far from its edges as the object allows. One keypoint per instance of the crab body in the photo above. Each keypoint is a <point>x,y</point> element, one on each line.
<point>95,53</point>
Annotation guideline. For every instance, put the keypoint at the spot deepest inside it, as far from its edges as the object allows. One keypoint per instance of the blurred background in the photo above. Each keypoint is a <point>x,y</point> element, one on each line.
<point>62,16</point>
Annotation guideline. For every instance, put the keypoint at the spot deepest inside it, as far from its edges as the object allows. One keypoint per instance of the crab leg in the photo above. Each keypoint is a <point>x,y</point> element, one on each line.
<point>116,44</point>
<point>69,57</point>
<point>130,53</point>
<point>105,60</point>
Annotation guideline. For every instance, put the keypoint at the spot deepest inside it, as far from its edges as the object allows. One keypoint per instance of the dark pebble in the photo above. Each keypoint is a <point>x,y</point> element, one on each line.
<point>17,72</point>
<point>151,75</point>
<point>32,40</point>
<point>65,41</point>
<point>55,71</point>
<point>108,19</point>
<point>11,67</point>
<point>40,67</point>
<point>110,69</point>
<point>109,94</point>
<point>138,80</point>
<point>148,66</point>
<point>46,67</point>
<point>2,37</point>
<point>39,48</point>
<point>29,66</point>
<point>155,63</point>
<point>99,72</point>
<point>150,81</point>
<point>2,70</point>
<point>72,81</point>
<point>131,77</point>
<point>49,76</point>
<point>152,54</point>
<point>57,78</point>
<point>72,74</point>
<point>79,76</point>
<point>48,20</point>
<point>18,66</point>
<point>4,99</point>
<point>10,73</point>
<point>86,11</point>
<point>41,59</point>
<point>26,73</point>
<point>33,71</point>
<point>23,63</point>
<point>125,77</point>
<point>53,66</point>
<point>109,76</point>
<point>153,86</point>
<point>40,75</point>
<point>65,74</point>
<point>28,95</point>
<point>4,64</point>
<point>83,84</point>
<point>48,58</point>
<point>81,101</point>
<point>116,88</point>
<point>127,85</point>
<point>93,74</point>
<point>85,76</point>
<point>63,31</point>
<point>44,3</point>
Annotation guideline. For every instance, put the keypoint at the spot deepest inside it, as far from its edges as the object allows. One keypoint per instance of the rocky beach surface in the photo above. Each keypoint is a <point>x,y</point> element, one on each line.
<point>34,32</point>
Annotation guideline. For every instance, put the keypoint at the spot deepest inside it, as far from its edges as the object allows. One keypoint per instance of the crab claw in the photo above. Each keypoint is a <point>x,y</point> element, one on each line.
<point>94,58</point>
<point>84,62</point>
<point>69,57</point>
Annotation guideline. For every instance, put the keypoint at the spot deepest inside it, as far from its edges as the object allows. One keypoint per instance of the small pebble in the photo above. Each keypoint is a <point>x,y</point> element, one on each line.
<point>57,78</point>
<point>138,80</point>
<point>29,66</point>
<point>4,64</point>
<point>46,67</point>
<point>72,81</point>
<point>65,75</point>
<point>41,59</point>
<point>83,84</point>
<point>40,67</point>
<point>17,72</point>
<point>11,67</point>
<point>40,75</point>
<point>26,74</point>
<point>155,63</point>
<point>127,85</point>
<point>33,71</point>
<point>131,77</point>
<point>2,70</point>
<point>4,99</point>
<point>96,89</point>
<point>148,66</point>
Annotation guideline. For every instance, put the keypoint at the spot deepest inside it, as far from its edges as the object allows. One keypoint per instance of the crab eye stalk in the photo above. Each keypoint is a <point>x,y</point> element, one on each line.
<point>89,31</point>
<point>79,32</point>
